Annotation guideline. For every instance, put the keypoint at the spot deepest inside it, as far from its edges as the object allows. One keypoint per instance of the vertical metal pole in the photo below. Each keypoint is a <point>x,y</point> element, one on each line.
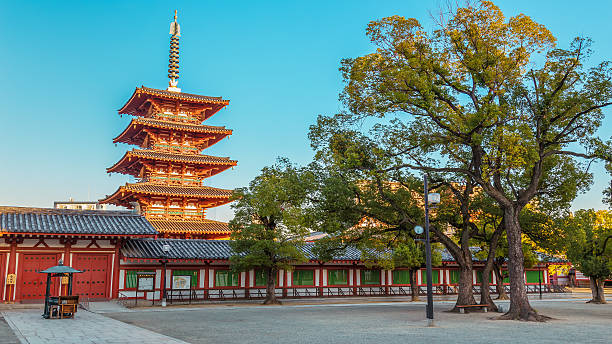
<point>430,313</point>
<point>163,303</point>
<point>540,280</point>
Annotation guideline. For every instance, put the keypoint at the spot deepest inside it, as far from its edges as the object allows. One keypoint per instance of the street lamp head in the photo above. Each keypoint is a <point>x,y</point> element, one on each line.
<point>166,248</point>
<point>433,198</point>
<point>418,230</point>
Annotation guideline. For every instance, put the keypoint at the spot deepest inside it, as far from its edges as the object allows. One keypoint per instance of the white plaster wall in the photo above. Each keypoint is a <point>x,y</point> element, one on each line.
<point>211,278</point>
<point>280,277</point>
<point>358,277</point>
<point>121,279</point>
<point>243,279</point>
<point>158,278</point>
<point>324,277</point>
<point>419,282</point>
<point>251,278</point>
<point>316,272</point>
<point>350,278</point>
<point>289,277</point>
<point>168,278</point>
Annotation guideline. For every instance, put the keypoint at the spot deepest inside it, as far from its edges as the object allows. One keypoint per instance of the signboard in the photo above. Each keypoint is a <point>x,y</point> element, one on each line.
<point>65,280</point>
<point>146,281</point>
<point>181,282</point>
<point>11,279</point>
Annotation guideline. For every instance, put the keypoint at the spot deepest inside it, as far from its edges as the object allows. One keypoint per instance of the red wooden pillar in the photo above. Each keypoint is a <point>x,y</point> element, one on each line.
<point>285,286</point>
<point>206,282</point>
<point>247,292</point>
<point>67,261</point>
<point>354,280</point>
<point>386,282</point>
<point>321,280</point>
<point>116,270</point>
<point>12,269</point>
<point>443,271</point>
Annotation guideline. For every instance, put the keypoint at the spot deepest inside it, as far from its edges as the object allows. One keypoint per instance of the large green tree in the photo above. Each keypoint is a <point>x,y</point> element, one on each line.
<point>588,239</point>
<point>483,97</point>
<point>266,228</point>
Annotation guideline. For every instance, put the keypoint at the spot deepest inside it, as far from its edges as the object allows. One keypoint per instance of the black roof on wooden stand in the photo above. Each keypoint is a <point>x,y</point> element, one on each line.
<point>198,249</point>
<point>68,221</point>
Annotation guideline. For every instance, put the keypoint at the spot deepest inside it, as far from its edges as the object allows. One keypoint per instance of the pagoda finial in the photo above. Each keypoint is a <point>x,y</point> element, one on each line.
<point>173,66</point>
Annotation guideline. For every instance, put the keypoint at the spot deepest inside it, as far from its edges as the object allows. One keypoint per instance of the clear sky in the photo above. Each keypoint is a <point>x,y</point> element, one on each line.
<point>67,66</point>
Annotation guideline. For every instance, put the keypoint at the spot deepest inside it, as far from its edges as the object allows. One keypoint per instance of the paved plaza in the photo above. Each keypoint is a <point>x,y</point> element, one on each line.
<point>397,322</point>
<point>354,323</point>
<point>87,327</point>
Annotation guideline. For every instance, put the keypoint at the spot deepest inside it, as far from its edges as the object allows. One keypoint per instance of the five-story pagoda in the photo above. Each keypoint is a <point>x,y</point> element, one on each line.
<point>169,167</point>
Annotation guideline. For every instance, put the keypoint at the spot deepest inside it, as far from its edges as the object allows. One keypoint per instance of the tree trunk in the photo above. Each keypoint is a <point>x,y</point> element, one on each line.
<point>501,289</point>
<point>597,290</point>
<point>520,309</point>
<point>271,288</point>
<point>485,294</point>
<point>414,288</point>
<point>465,294</point>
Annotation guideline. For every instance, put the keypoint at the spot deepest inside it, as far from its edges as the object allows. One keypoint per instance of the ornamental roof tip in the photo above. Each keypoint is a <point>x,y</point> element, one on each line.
<point>179,95</point>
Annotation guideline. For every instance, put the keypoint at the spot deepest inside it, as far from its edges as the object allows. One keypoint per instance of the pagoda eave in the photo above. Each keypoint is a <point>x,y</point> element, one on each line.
<point>191,227</point>
<point>132,161</point>
<point>137,103</point>
<point>135,132</point>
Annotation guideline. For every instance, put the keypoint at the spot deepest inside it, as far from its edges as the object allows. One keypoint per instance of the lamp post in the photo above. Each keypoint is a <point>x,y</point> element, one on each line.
<point>164,261</point>
<point>434,198</point>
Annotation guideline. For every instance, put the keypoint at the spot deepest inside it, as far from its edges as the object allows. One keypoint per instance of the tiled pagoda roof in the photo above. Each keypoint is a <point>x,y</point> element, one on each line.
<point>168,190</point>
<point>138,123</point>
<point>223,163</point>
<point>187,226</point>
<point>142,94</point>
<point>73,222</point>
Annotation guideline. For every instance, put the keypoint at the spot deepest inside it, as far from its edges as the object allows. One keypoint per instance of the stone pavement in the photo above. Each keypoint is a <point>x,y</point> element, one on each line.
<point>392,322</point>
<point>86,327</point>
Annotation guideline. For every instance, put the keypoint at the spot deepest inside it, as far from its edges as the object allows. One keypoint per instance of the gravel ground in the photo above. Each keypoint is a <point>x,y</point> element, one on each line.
<point>397,322</point>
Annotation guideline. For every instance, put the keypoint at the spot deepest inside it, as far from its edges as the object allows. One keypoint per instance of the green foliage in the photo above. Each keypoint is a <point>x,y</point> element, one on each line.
<point>464,101</point>
<point>588,236</point>
<point>267,225</point>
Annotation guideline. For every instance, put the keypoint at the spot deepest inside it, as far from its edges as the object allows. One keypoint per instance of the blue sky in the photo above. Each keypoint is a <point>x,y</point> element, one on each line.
<point>68,66</point>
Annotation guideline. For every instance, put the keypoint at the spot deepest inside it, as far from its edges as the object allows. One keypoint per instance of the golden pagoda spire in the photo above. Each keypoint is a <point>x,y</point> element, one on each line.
<point>173,66</point>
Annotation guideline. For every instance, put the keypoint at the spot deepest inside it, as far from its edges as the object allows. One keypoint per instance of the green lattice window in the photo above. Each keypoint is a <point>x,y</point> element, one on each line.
<point>226,278</point>
<point>454,276</point>
<point>479,277</point>
<point>401,276</point>
<point>303,277</point>
<point>435,276</point>
<point>192,273</point>
<point>261,279</point>
<point>131,279</point>
<point>532,276</point>
<point>370,277</point>
<point>337,277</point>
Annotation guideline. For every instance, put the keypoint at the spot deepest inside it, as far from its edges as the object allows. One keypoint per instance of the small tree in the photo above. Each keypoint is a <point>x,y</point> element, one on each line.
<point>411,255</point>
<point>265,230</point>
<point>587,237</point>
